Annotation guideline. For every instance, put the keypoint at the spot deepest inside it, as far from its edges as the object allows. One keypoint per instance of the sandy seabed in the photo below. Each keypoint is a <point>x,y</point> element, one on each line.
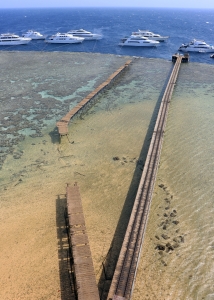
<point>35,172</point>
<point>33,239</point>
<point>36,169</point>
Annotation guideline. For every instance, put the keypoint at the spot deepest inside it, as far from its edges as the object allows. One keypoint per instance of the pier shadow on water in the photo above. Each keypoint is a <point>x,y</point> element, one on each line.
<point>64,256</point>
<point>54,135</point>
<point>110,261</point>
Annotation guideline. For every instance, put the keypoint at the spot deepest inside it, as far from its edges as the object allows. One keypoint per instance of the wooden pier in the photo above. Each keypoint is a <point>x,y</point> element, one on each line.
<point>62,125</point>
<point>184,57</point>
<point>85,281</point>
<point>124,276</point>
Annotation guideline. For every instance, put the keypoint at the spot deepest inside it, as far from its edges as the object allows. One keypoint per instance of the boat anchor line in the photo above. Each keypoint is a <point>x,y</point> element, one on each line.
<point>62,125</point>
<point>124,276</point>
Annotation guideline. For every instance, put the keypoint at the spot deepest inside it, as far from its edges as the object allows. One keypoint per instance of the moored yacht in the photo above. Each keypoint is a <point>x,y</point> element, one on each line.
<point>8,39</point>
<point>64,38</point>
<point>138,41</point>
<point>196,46</point>
<point>87,35</point>
<point>34,35</point>
<point>150,35</point>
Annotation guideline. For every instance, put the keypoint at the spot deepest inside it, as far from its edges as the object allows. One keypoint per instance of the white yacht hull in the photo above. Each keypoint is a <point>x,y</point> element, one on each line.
<point>200,50</point>
<point>87,35</point>
<point>64,41</point>
<point>89,38</point>
<point>34,37</point>
<point>92,38</point>
<point>158,39</point>
<point>155,38</point>
<point>138,45</point>
<point>23,41</point>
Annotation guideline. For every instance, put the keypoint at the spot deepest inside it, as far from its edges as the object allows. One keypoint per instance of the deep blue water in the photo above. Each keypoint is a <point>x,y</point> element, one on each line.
<point>182,25</point>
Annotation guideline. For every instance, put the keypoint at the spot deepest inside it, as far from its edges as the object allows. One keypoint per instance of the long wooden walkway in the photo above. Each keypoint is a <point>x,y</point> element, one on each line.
<point>85,281</point>
<point>126,268</point>
<point>62,125</point>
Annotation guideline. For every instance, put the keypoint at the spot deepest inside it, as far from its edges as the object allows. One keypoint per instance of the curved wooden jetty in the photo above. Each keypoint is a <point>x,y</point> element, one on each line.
<point>126,268</point>
<point>63,123</point>
<point>85,281</point>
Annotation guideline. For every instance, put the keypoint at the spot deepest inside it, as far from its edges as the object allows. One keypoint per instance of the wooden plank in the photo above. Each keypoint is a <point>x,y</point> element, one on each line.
<point>124,276</point>
<point>79,239</point>
<point>83,264</point>
<point>81,251</point>
<point>76,219</point>
<point>87,99</point>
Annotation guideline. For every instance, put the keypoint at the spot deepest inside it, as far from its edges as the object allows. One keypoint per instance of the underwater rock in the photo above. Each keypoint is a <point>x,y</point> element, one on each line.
<point>116,158</point>
<point>175,222</point>
<point>181,238</point>
<point>161,185</point>
<point>164,263</point>
<point>160,247</point>
<point>161,224</point>
<point>169,247</point>
<point>165,237</point>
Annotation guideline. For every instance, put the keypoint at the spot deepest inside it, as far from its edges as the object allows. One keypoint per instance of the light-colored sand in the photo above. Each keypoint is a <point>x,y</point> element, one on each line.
<point>32,203</point>
<point>33,239</point>
<point>29,244</point>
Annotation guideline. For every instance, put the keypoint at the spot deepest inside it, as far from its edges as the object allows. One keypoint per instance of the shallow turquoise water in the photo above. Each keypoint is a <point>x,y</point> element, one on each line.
<point>37,94</point>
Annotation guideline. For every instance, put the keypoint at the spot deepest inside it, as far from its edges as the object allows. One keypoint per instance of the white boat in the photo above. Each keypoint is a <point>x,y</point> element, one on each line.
<point>150,35</point>
<point>64,38</point>
<point>87,35</point>
<point>138,41</point>
<point>9,39</point>
<point>34,35</point>
<point>196,46</point>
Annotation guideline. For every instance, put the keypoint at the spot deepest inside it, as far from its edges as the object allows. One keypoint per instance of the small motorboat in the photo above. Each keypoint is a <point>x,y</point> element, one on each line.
<point>212,55</point>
